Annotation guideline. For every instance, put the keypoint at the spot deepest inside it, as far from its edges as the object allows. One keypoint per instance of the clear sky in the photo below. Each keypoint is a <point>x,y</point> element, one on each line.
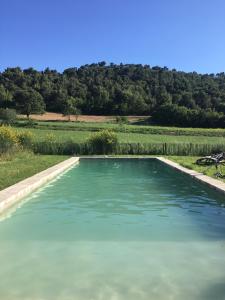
<point>187,35</point>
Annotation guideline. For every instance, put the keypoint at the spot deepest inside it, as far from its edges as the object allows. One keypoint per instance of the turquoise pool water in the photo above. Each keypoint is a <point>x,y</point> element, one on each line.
<point>115,230</point>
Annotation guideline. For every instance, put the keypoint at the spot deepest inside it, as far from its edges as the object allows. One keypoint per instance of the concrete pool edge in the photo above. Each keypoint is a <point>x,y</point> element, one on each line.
<point>211,182</point>
<point>16,192</point>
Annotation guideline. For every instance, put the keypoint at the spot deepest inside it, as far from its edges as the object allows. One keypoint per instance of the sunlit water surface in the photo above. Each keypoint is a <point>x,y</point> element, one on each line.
<point>115,230</point>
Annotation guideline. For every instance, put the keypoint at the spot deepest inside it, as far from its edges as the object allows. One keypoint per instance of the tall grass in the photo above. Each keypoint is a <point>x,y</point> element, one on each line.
<point>72,148</point>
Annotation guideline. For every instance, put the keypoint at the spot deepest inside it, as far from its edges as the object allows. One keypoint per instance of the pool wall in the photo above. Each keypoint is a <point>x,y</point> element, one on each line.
<point>14,193</point>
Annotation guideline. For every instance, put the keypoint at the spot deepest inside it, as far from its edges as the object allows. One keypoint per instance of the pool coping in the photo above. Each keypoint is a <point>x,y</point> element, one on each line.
<point>211,182</point>
<point>14,193</point>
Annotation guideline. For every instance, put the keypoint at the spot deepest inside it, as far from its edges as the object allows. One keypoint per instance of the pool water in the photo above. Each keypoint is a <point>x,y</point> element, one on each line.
<point>114,230</point>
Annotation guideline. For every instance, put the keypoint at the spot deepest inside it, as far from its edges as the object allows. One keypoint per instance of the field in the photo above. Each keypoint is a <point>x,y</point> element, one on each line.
<point>80,136</point>
<point>128,128</point>
<point>127,133</point>
<point>63,137</point>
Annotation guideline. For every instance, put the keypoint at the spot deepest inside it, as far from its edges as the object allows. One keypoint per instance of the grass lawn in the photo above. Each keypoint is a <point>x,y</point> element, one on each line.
<point>189,162</point>
<point>23,165</point>
<point>124,137</point>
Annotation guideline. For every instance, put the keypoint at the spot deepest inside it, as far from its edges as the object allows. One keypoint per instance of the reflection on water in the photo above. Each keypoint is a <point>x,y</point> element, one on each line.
<point>111,229</point>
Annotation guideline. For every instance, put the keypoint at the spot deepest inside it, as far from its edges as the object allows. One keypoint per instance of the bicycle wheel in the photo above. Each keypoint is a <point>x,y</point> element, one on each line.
<point>205,161</point>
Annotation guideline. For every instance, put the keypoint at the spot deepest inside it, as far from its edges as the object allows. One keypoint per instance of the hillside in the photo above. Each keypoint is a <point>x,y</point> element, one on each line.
<point>100,89</point>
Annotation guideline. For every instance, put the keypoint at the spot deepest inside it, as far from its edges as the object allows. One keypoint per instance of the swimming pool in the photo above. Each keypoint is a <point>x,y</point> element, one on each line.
<point>115,229</point>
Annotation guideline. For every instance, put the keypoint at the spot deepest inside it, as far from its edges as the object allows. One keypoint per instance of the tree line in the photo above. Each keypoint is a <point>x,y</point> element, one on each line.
<point>110,89</point>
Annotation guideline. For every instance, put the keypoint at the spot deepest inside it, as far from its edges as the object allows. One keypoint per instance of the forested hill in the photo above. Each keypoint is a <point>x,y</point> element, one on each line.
<point>112,89</point>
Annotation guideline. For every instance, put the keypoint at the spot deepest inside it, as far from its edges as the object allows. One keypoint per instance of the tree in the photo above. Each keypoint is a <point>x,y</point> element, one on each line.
<point>29,102</point>
<point>70,108</point>
<point>202,99</point>
<point>5,97</point>
<point>163,97</point>
<point>187,100</point>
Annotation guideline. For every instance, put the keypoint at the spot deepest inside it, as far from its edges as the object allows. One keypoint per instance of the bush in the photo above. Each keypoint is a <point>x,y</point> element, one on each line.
<point>30,123</point>
<point>121,119</point>
<point>8,139</point>
<point>7,116</point>
<point>50,138</point>
<point>103,142</point>
<point>25,139</point>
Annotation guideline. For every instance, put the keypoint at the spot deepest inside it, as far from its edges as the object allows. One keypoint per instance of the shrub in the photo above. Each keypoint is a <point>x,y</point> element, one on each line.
<point>50,138</point>
<point>7,116</point>
<point>8,139</point>
<point>30,123</point>
<point>103,142</point>
<point>25,139</point>
<point>121,119</point>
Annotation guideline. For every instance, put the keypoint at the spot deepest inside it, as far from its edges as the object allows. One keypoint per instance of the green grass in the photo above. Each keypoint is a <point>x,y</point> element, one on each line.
<point>189,162</point>
<point>124,137</point>
<point>24,164</point>
<point>144,129</point>
<point>70,138</point>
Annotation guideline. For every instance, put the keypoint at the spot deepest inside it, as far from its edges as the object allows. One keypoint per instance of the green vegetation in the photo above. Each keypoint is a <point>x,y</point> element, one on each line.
<point>22,165</point>
<point>103,142</point>
<point>25,139</point>
<point>11,140</point>
<point>189,162</point>
<point>75,141</point>
<point>128,128</point>
<point>70,108</point>
<point>172,114</point>
<point>72,148</point>
<point>17,161</point>
<point>126,137</point>
<point>29,101</point>
<point>7,116</point>
<point>64,138</point>
<point>118,90</point>
<point>8,139</point>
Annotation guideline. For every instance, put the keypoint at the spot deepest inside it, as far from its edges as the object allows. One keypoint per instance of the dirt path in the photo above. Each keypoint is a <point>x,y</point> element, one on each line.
<point>82,118</point>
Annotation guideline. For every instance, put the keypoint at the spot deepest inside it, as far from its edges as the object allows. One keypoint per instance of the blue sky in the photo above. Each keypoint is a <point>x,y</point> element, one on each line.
<point>187,35</point>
